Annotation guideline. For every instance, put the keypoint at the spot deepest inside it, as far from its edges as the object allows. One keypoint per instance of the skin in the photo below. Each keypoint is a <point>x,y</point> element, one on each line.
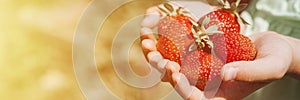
<point>277,56</point>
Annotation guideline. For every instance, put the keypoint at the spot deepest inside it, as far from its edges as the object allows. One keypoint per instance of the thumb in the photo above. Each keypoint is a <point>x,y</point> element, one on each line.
<point>258,70</point>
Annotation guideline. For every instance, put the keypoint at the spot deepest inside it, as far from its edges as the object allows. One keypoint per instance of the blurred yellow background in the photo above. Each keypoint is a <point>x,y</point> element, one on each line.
<point>36,39</point>
<point>36,49</point>
<point>127,16</point>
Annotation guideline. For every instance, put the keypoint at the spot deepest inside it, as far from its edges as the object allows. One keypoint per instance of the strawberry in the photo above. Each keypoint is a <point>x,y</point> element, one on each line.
<point>226,17</point>
<point>222,28</point>
<point>200,67</point>
<point>226,21</point>
<point>233,47</point>
<point>174,32</point>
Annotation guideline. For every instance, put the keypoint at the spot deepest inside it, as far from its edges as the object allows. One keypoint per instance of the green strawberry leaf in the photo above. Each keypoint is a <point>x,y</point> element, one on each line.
<point>164,11</point>
<point>212,29</point>
<point>241,7</point>
<point>205,21</point>
<point>169,7</point>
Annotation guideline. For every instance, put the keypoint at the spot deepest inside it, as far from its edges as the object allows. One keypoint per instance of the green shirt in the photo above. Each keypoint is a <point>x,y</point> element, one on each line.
<point>282,16</point>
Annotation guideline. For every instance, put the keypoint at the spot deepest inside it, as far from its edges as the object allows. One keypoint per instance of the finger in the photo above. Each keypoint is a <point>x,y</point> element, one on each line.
<point>199,95</point>
<point>154,57</point>
<point>162,64</point>
<point>259,70</point>
<point>187,92</point>
<point>151,18</point>
<point>171,67</point>
<point>182,85</point>
<point>196,94</point>
<point>212,87</point>
<point>147,33</point>
<point>157,61</point>
<point>148,45</point>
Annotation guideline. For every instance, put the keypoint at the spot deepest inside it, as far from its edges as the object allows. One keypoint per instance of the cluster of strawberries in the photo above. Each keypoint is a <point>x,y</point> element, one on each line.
<point>202,47</point>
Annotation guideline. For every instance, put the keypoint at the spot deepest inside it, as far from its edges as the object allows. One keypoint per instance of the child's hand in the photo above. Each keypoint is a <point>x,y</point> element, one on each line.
<point>272,62</point>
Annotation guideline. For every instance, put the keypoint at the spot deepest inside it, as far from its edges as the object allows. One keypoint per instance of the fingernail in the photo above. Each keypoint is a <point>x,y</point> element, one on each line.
<point>148,44</point>
<point>229,73</point>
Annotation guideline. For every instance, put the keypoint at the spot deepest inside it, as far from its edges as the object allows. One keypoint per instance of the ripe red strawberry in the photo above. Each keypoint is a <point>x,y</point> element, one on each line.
<point>226,17</point>
<point>223,28</point>
<point>200,67</point>
<point>174,33</point>
<point>226,21</point>
<point>233,47</point>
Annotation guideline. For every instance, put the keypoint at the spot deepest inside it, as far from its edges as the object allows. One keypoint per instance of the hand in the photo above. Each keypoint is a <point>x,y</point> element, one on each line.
<point>238,78</point>
<point>272,62</point>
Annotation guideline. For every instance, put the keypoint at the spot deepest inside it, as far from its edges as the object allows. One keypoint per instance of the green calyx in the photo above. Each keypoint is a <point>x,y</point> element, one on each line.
<point>201,34</point>
<point>234,7</point>
<point>169,10</point>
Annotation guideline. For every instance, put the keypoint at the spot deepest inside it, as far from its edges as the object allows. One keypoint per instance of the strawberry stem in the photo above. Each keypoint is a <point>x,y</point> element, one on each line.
<point>201,38</point>
<point>169,10</point>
